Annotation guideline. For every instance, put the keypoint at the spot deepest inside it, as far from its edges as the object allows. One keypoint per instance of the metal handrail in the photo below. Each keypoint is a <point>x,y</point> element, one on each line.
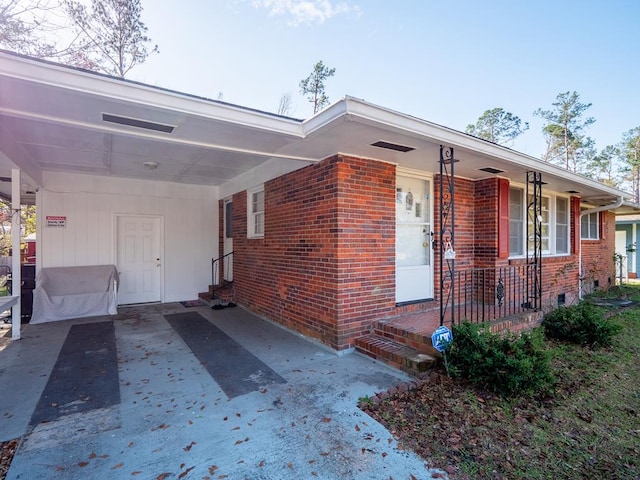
<point>217,275</point>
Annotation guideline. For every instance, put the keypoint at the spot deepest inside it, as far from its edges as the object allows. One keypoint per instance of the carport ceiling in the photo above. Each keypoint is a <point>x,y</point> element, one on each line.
<point>61,119</point>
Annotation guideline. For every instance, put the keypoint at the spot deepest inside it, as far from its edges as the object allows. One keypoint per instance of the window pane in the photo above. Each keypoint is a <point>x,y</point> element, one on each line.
<point>515,238</point>
<point>515,204</point>
<point>258,202</point>
<point>516,222</point>
<point>562,211</point>
<point>593,226</point>
<point>562,225</point>
<point>561,239</point>
<point>259,224</point>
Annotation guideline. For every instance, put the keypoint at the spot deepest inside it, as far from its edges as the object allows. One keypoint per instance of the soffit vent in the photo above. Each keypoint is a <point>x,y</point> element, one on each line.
<point>392,146</point>
<point>135,122</point>
<point>491,170</point>
<point>572,191</point>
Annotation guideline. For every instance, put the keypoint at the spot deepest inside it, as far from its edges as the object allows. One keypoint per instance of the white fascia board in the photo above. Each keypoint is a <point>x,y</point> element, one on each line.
<point>355,108</point>
<point>325,117</point>
<point>92,83</point>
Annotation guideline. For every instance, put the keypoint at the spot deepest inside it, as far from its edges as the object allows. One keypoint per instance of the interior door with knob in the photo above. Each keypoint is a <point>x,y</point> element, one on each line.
<point>414,239</point>
<point>138,259</point>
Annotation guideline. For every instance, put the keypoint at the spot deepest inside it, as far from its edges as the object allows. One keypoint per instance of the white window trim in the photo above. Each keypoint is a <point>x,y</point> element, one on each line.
<point>251,215</point>
<point>597,237</point>
<point>551,252</point>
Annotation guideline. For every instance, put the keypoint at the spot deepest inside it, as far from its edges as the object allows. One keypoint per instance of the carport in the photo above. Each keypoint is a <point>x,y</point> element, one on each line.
<point>59,124</point>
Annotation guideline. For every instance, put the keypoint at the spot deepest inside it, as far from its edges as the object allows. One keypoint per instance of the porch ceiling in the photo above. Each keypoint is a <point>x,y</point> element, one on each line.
<point>52,119</point>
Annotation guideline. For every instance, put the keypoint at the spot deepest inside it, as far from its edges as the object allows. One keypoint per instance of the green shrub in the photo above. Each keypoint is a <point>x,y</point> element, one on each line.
<point>583,324</point>
<point>508,364</point>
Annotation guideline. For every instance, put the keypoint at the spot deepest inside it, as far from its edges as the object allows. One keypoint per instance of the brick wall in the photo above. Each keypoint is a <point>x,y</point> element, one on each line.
<point>325,266</point>
<point>597,255</point>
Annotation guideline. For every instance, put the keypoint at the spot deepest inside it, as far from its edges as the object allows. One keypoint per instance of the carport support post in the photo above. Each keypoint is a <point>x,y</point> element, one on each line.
<point>16,272</point>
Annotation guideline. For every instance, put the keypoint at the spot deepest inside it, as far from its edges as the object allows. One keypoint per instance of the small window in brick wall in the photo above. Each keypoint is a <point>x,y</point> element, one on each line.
<point>255,212</point>
<point>561,299</point>
<point>596,283</point>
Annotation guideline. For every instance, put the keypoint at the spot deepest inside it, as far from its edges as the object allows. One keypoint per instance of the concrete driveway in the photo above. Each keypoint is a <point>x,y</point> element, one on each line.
<point>169,392</point>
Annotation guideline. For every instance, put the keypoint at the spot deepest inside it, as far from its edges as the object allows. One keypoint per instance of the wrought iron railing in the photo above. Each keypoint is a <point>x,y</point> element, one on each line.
<point>486,294</point>
<point>220,267</point>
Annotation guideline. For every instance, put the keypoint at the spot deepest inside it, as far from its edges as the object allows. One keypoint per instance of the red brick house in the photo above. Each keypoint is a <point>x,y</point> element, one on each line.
<point>330,226</point>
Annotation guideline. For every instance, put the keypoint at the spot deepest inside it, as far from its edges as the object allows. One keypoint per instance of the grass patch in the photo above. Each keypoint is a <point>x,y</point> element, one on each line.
<point>586,426</point>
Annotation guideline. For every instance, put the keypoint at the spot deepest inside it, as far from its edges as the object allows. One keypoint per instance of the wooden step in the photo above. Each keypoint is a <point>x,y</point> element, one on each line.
<point>395,354</point>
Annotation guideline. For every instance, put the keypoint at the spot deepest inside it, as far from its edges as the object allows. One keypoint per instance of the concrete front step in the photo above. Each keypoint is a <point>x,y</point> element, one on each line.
<point>395,354</point>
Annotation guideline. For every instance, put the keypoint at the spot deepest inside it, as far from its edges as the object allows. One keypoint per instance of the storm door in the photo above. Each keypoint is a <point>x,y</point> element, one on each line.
<point>414,232</point>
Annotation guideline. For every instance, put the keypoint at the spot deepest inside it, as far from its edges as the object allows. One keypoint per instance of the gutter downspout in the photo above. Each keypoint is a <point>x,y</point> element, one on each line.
<point>613,206</point>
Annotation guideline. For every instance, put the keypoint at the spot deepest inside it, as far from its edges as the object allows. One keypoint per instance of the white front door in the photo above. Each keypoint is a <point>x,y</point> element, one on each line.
<point>227,242</point>
<point>414,254</point>
<point>621,249</point>
<point>138,259</point>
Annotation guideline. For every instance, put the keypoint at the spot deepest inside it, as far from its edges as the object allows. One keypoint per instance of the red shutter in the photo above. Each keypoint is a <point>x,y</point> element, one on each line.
<point>575,216</point>
<point>503,218</point>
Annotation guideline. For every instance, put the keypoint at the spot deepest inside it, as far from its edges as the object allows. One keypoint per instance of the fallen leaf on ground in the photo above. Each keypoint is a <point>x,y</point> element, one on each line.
<point>186,472</point>
<point>188,447</point>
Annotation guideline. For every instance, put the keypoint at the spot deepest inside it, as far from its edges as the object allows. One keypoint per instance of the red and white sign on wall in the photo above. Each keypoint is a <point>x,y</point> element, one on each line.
<point>56,221</point>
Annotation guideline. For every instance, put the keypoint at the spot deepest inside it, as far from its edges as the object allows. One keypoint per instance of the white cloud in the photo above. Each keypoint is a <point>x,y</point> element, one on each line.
<point>306,11</point>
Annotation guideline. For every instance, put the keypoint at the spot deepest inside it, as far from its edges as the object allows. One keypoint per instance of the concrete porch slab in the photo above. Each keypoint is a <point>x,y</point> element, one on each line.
<point>174,421</point>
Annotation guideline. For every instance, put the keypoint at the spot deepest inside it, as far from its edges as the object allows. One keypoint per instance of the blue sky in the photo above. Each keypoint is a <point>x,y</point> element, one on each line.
<point>442,61</point>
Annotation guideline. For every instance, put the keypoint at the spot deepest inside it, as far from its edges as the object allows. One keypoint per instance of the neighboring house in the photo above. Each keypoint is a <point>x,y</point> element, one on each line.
<point>355,215</point>
<point>627,236</point>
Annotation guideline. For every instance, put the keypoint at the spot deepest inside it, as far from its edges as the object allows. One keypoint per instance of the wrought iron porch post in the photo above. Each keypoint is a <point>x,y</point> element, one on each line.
<point>534,222</point>
<point>446,237</point>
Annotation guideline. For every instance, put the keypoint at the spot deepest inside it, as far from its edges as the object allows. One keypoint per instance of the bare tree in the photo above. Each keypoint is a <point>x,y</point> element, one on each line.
<point>25,24</point>
<point>113,37</point>
<point>285,106</point>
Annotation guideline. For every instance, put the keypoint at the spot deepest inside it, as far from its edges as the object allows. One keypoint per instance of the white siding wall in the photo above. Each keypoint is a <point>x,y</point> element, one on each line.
<point>90,205</point>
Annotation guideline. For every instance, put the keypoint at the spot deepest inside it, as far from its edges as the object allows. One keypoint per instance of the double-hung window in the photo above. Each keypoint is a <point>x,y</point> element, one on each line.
<point>554,219</point>
<point>589,226</point>
<point>255,212</point>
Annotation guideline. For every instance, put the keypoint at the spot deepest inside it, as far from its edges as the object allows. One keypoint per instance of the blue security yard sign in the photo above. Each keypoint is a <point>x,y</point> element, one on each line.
<point>441,338</point>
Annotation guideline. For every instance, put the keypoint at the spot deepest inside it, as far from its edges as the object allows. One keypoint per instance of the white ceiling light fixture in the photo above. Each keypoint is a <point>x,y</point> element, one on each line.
<point>151,165</point>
